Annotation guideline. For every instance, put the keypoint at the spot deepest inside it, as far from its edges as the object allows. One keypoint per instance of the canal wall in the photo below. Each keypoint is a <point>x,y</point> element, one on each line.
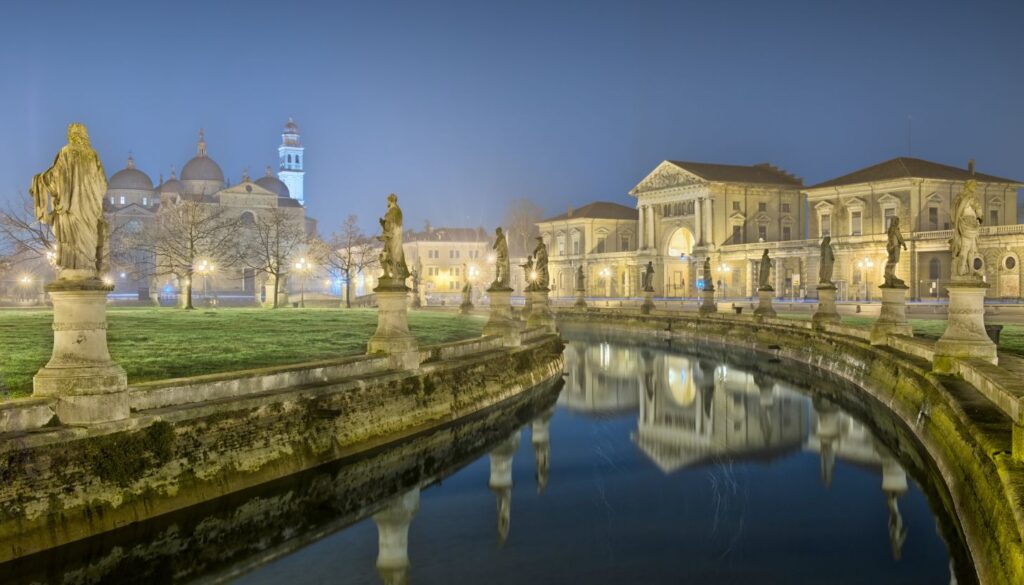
<point>968,437</point>
<point>193,440</point>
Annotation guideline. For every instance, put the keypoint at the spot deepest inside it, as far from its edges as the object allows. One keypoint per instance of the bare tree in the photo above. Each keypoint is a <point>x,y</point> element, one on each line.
<point>24,237</point>
<point>183,233</point>
<point>521,217</point>
<point>350,252</point>
<point>270,243</point>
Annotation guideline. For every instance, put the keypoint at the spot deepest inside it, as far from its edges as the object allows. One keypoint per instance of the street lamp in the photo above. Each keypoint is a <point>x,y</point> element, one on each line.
<point>722,269</point>
<point>303,267</point>
<point>865,266</point>
<point>205,268</point>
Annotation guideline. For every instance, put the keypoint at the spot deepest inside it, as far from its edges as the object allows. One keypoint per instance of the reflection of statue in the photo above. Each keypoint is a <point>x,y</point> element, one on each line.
<point>501,265</point>
<point>69,197</point>
<point>897,532</point>
<point>500,482</point>
<point>709,281</point>
<point>541,438</point>
<point>581,280</point>
<point>828,261</point>
<point>540,263</point>
<point>648,277</point>
<point>764,274</point>
<point>528,271</point>
<point>392,258</point>
<point>892,249</point>
<point>966,216</point>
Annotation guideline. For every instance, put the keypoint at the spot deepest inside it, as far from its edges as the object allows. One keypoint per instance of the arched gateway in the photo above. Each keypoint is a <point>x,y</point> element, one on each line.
<point>676,252</point>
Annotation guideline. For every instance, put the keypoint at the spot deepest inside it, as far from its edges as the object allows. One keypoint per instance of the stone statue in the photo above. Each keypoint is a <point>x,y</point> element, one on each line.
<point>764,279</point>
<point>392,257</point>
<point>709,281</point>
<point>648,277</point>
<point>581,279</point>
<point>828,261</point>
<point>502,278</point>
<point>69,197</point>
<point>540,263</point>
<point>528,272</point>
<point>966,216</point>
<point>892,248</point>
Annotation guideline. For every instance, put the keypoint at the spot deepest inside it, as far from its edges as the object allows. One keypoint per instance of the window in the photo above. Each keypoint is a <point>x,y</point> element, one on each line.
<point>145,200</point>
<point>786,232</point>
<point>122,199</point>
<point>888,213</point>
<point>576,244</point>
<point>599,248</point>
<point>993,217</point>
<point>289,158</point>
<point>247,218</point>
<point>762,232</point>
<point>297,159</point>
<point>735,205</point>
<point>111,199</point>
<point>1010,263</point>
<point>762,206</point>
<point>737,234</point>
<point>855,223</point>
<point>933,269</point>
<point>785,208</point>
<point>623,243</point>
<point>933,218</point>
<point>453,254</point>
<point>560,245</point>
<point>826,225</point>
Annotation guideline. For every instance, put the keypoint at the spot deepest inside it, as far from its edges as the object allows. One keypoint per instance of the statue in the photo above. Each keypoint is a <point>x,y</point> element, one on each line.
<point>892,249</point>
<point>709,281</point>
<point>528,272</point>
<point>966,216</point>
<point>648,277</point>
<point>581,281</point>
<point>828,261</point>
<point>392,257</point>
<point>69,197</point>
<point>540,263</point>
<point>764,274</point>
<point>502,278</point>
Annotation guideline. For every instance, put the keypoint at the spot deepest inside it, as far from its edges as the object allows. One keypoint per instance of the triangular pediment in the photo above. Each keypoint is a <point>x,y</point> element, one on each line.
<point>824,207</point>
<point>762,218</point>
<point>934,198</point>
<point>666,176</point>
<point>738,216</point>
<point>995,201</point>
<point>854,203</point>
<point>889,199</point>
<point>248,189</point>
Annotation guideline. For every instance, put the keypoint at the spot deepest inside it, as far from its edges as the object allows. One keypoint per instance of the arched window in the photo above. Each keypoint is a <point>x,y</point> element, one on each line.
<point>247,218</point>
<point>296,159</point>
<point>933,269</point>
<point>289,158</point>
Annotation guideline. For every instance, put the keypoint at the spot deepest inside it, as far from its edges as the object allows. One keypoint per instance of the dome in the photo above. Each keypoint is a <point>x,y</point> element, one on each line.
<point>172,186</point>
<point>130,178</point>
<point>202,168</point>
<point>272,183</point>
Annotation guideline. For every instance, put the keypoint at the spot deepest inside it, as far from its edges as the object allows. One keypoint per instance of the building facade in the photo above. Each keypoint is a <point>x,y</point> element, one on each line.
<point>447,258</point>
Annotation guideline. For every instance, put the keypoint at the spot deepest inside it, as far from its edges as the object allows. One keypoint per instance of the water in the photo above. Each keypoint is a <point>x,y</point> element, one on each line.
<point>658,464</point>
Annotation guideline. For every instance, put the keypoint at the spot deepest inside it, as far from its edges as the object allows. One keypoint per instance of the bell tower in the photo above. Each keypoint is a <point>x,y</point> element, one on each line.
<point>291,154</point>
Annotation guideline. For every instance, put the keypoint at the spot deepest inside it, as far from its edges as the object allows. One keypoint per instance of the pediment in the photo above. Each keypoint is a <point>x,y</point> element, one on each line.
<point>889,199</point>
<point>824,207</point>
<point>762,218</point>
<point>854,203</point>
<point>248,189</point>
<point>666,176</point>
<point>737,216</point>
<point>934,198</point>
<point>995,201</point>
<point>786,218</point>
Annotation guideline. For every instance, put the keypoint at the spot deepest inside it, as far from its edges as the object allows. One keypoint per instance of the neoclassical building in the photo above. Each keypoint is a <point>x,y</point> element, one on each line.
<point>688,212</point>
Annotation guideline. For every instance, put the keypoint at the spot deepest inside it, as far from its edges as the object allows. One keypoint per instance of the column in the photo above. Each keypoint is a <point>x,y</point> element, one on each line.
<point>642,242</point>
<point>709,210</point>
<point>699,220</point>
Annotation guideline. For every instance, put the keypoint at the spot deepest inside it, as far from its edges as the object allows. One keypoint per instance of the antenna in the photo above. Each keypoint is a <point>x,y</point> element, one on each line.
<point>909,134</point>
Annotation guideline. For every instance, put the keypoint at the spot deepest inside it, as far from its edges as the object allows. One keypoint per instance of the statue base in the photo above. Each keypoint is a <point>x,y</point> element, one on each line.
<point>965,335</point>
<point>648,304</point>
<point>88,385</point>
<point>708,306</point>
<point>393,336</point>
<point>501,322</point>
<point>466,308</point>
<point>540,310</point>
<point>581,303</point>
<point>893,318</point>
<point>826,312</point>
<point>764,304</point>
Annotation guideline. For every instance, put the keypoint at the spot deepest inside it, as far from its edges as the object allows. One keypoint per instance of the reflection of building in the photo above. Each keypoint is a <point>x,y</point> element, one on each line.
<point>602,377</point>
<point>500,482</point>
<point>540,437</point>
<point>692,410</point>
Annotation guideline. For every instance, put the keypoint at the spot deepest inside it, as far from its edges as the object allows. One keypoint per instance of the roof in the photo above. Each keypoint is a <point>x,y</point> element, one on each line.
<point>598,210</point>
<point>130,179</point>
<point>905,167</point>
<point>448,234</point>
<point>763,173</point>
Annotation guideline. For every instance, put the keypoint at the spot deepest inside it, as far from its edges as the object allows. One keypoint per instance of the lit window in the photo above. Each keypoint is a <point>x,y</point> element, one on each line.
<point>855,223</point>
<point>826,225</point>
<point>122,199</point>
<point>762,232</point>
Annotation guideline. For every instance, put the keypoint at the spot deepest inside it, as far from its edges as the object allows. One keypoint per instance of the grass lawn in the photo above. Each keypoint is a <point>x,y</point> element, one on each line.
<point>154,344</point>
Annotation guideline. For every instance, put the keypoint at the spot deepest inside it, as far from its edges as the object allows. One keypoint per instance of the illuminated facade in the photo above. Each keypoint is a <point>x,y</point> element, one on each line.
<point>447,258</point>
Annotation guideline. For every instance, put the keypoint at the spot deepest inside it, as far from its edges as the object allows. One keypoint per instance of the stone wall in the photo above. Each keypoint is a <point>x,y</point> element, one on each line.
<point>60,484</point>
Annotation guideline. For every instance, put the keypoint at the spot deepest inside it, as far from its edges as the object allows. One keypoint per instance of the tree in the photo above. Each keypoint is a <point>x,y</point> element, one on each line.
<point>350,252</point>
<point>182,233</point>
<point>521,217</point>
<point>23,237</point>
<point>275,237</point>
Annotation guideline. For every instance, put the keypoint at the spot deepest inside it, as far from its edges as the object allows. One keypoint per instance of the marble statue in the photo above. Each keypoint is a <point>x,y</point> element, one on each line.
<point>764,279</point>
<point>69,197</point>
<point>528,272</point>
<point>502,278</point>
<point>581,279</point>
<point>966,214</point>
<point>540,264</point>
<point>893,245</point>
<point>392,257</point>
<point>648,277</point>
<point>828,262</point>
<point>709,282</point>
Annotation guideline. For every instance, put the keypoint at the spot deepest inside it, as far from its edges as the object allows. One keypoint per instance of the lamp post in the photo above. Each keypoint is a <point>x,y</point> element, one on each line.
<point>25,282</point>
<point>205,268</point>
<point>723,269</point>
<point>303,267</point>
<point>865,266</point>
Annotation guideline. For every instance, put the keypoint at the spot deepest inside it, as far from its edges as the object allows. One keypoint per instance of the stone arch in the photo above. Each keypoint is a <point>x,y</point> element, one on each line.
<point>680,243</point>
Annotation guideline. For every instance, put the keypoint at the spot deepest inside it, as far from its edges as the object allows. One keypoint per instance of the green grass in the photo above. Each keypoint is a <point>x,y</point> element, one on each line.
<point>155,344</point>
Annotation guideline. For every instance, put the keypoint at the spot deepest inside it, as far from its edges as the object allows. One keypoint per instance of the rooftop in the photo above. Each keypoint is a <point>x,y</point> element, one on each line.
<point>448,234</point>
<point>598,210</point>
<point>763,173</point>
<point>905,167</point>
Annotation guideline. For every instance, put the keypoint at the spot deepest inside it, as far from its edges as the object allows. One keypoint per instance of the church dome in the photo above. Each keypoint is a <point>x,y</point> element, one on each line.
<point>130,178</point>
<point>202,168</point>
<point>172,185</point>
<point>272,183</point>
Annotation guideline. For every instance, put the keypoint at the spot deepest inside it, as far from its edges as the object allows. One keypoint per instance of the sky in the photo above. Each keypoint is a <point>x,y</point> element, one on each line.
<point>460,106</point>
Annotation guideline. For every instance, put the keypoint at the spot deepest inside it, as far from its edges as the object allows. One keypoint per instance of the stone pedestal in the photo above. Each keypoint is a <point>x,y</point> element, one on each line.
<point>893,318</point>
<point>540,310</point>
<point>965,335</point>
<point>764,305</point>
<point>501,321</point>
<point>392,336</point>
<point>581,303</point>
<point>88,385</point>
<point>648,304</point>
<point>707,303</point>
<point>826,312</point>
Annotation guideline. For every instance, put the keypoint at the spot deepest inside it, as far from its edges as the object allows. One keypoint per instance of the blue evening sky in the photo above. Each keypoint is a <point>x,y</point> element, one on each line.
<point>458,106</point>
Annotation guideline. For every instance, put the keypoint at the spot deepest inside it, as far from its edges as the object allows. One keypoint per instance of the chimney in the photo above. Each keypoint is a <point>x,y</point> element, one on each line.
<point>970,167</point>
<point>570,211</point>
